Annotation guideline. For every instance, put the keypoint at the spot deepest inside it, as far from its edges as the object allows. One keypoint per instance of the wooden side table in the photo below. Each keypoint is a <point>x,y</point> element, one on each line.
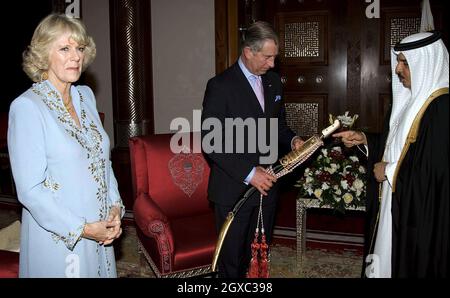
<point>302,205</point>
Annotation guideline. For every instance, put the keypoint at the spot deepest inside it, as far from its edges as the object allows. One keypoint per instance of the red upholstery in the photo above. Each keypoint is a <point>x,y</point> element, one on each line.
<point>9,264</point>
<point>174,221</point>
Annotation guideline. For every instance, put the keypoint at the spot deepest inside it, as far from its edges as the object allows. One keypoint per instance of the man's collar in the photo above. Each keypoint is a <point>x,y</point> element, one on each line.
<point>244,69</point>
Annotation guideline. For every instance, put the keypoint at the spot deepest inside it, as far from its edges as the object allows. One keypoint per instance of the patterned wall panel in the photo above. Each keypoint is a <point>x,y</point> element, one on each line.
<point>305,112</point>
<point>301,40</point>
<point>403,27</point>
<point>397,24</point>
<point>303,118</point>
<point>303,37</point>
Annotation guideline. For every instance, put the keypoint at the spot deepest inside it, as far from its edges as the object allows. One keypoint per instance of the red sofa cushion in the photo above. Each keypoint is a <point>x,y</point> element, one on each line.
<point>196,241</point>
<point>9,264</point>
<point>176,182</point>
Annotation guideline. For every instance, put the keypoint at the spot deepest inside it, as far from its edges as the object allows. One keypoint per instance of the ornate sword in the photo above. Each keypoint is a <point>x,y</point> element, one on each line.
<point>283,166</point>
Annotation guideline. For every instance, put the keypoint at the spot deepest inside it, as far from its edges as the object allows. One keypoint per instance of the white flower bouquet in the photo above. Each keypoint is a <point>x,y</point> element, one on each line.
<point>335,177</point>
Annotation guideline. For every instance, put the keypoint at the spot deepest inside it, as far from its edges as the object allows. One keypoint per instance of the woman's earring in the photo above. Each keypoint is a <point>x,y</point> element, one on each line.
<point>44,76</point>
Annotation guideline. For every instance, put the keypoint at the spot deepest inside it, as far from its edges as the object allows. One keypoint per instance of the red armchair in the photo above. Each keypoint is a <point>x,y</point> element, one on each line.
<point>9,264</point>
<point>174,222</point>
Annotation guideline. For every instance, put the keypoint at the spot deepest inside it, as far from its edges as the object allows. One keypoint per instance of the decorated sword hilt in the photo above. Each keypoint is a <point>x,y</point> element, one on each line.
<point>293,159</point>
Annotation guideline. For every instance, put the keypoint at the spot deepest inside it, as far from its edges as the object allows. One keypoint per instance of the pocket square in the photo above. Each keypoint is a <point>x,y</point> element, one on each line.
<point>277,98</point>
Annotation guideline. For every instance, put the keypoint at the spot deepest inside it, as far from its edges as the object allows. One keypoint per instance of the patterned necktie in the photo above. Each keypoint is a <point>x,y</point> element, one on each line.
<point>258,89</point>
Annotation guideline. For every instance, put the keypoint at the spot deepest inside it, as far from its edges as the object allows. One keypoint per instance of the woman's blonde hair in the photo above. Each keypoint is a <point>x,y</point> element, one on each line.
<point>36,56</point>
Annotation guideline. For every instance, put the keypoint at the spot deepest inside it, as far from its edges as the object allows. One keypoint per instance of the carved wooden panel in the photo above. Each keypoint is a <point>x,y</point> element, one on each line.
<point>403,27</point>
<point>397,25</point>
<point>305,113</point>
<point>353,73</point>
<point>305,79</point>
<point>301,40</point>
<point>303,37</point>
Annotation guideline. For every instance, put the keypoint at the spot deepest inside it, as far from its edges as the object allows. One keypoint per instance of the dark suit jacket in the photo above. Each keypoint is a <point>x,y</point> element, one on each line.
<point>229,95</point>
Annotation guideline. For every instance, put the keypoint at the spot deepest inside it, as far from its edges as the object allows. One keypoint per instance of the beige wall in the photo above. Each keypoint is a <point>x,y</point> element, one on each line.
<point>95,15</point>
<point>183,57</point>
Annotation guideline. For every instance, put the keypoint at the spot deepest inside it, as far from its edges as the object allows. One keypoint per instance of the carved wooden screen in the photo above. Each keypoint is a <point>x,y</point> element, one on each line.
<point>331,49</point>
<point>303,67</point>
<point>304,114</point>
<point>397,24</point>
<point>302,37</point>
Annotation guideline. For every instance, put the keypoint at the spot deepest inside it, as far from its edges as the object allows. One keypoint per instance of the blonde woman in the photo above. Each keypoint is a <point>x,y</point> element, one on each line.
<point>59,155</point>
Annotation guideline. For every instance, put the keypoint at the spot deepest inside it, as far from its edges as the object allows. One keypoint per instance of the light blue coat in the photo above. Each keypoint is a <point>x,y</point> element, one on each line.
<point>64,178</point>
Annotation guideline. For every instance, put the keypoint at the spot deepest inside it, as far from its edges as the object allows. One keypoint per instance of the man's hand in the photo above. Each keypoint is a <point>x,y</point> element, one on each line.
<point>379,171</point>
<point>262,180</point>
<point>351,138</point>
<point>297,143</point>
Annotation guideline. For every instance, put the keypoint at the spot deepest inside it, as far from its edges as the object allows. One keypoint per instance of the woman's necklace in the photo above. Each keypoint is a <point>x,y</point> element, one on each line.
<point>69,108</point>
<point>68,104</point>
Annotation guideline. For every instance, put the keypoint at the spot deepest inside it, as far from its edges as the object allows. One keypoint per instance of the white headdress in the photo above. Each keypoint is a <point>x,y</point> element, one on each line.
<point>427,58</point>
<point>428,62</point>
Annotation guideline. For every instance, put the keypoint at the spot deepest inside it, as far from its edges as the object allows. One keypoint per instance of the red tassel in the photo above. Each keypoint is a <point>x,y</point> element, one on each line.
<point>264,261</point>
<point>259,264</point>
<point>253,270</point>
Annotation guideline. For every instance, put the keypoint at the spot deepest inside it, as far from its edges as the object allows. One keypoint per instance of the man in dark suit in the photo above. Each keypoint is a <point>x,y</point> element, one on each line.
<point>251,96</point>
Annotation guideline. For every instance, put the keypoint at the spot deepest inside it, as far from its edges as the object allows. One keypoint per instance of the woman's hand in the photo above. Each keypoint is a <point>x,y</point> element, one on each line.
<point>105,232</point>
<point>114,223</point>
<point>100,231</point>
<point>351,138</point>
<point>114,213</point>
